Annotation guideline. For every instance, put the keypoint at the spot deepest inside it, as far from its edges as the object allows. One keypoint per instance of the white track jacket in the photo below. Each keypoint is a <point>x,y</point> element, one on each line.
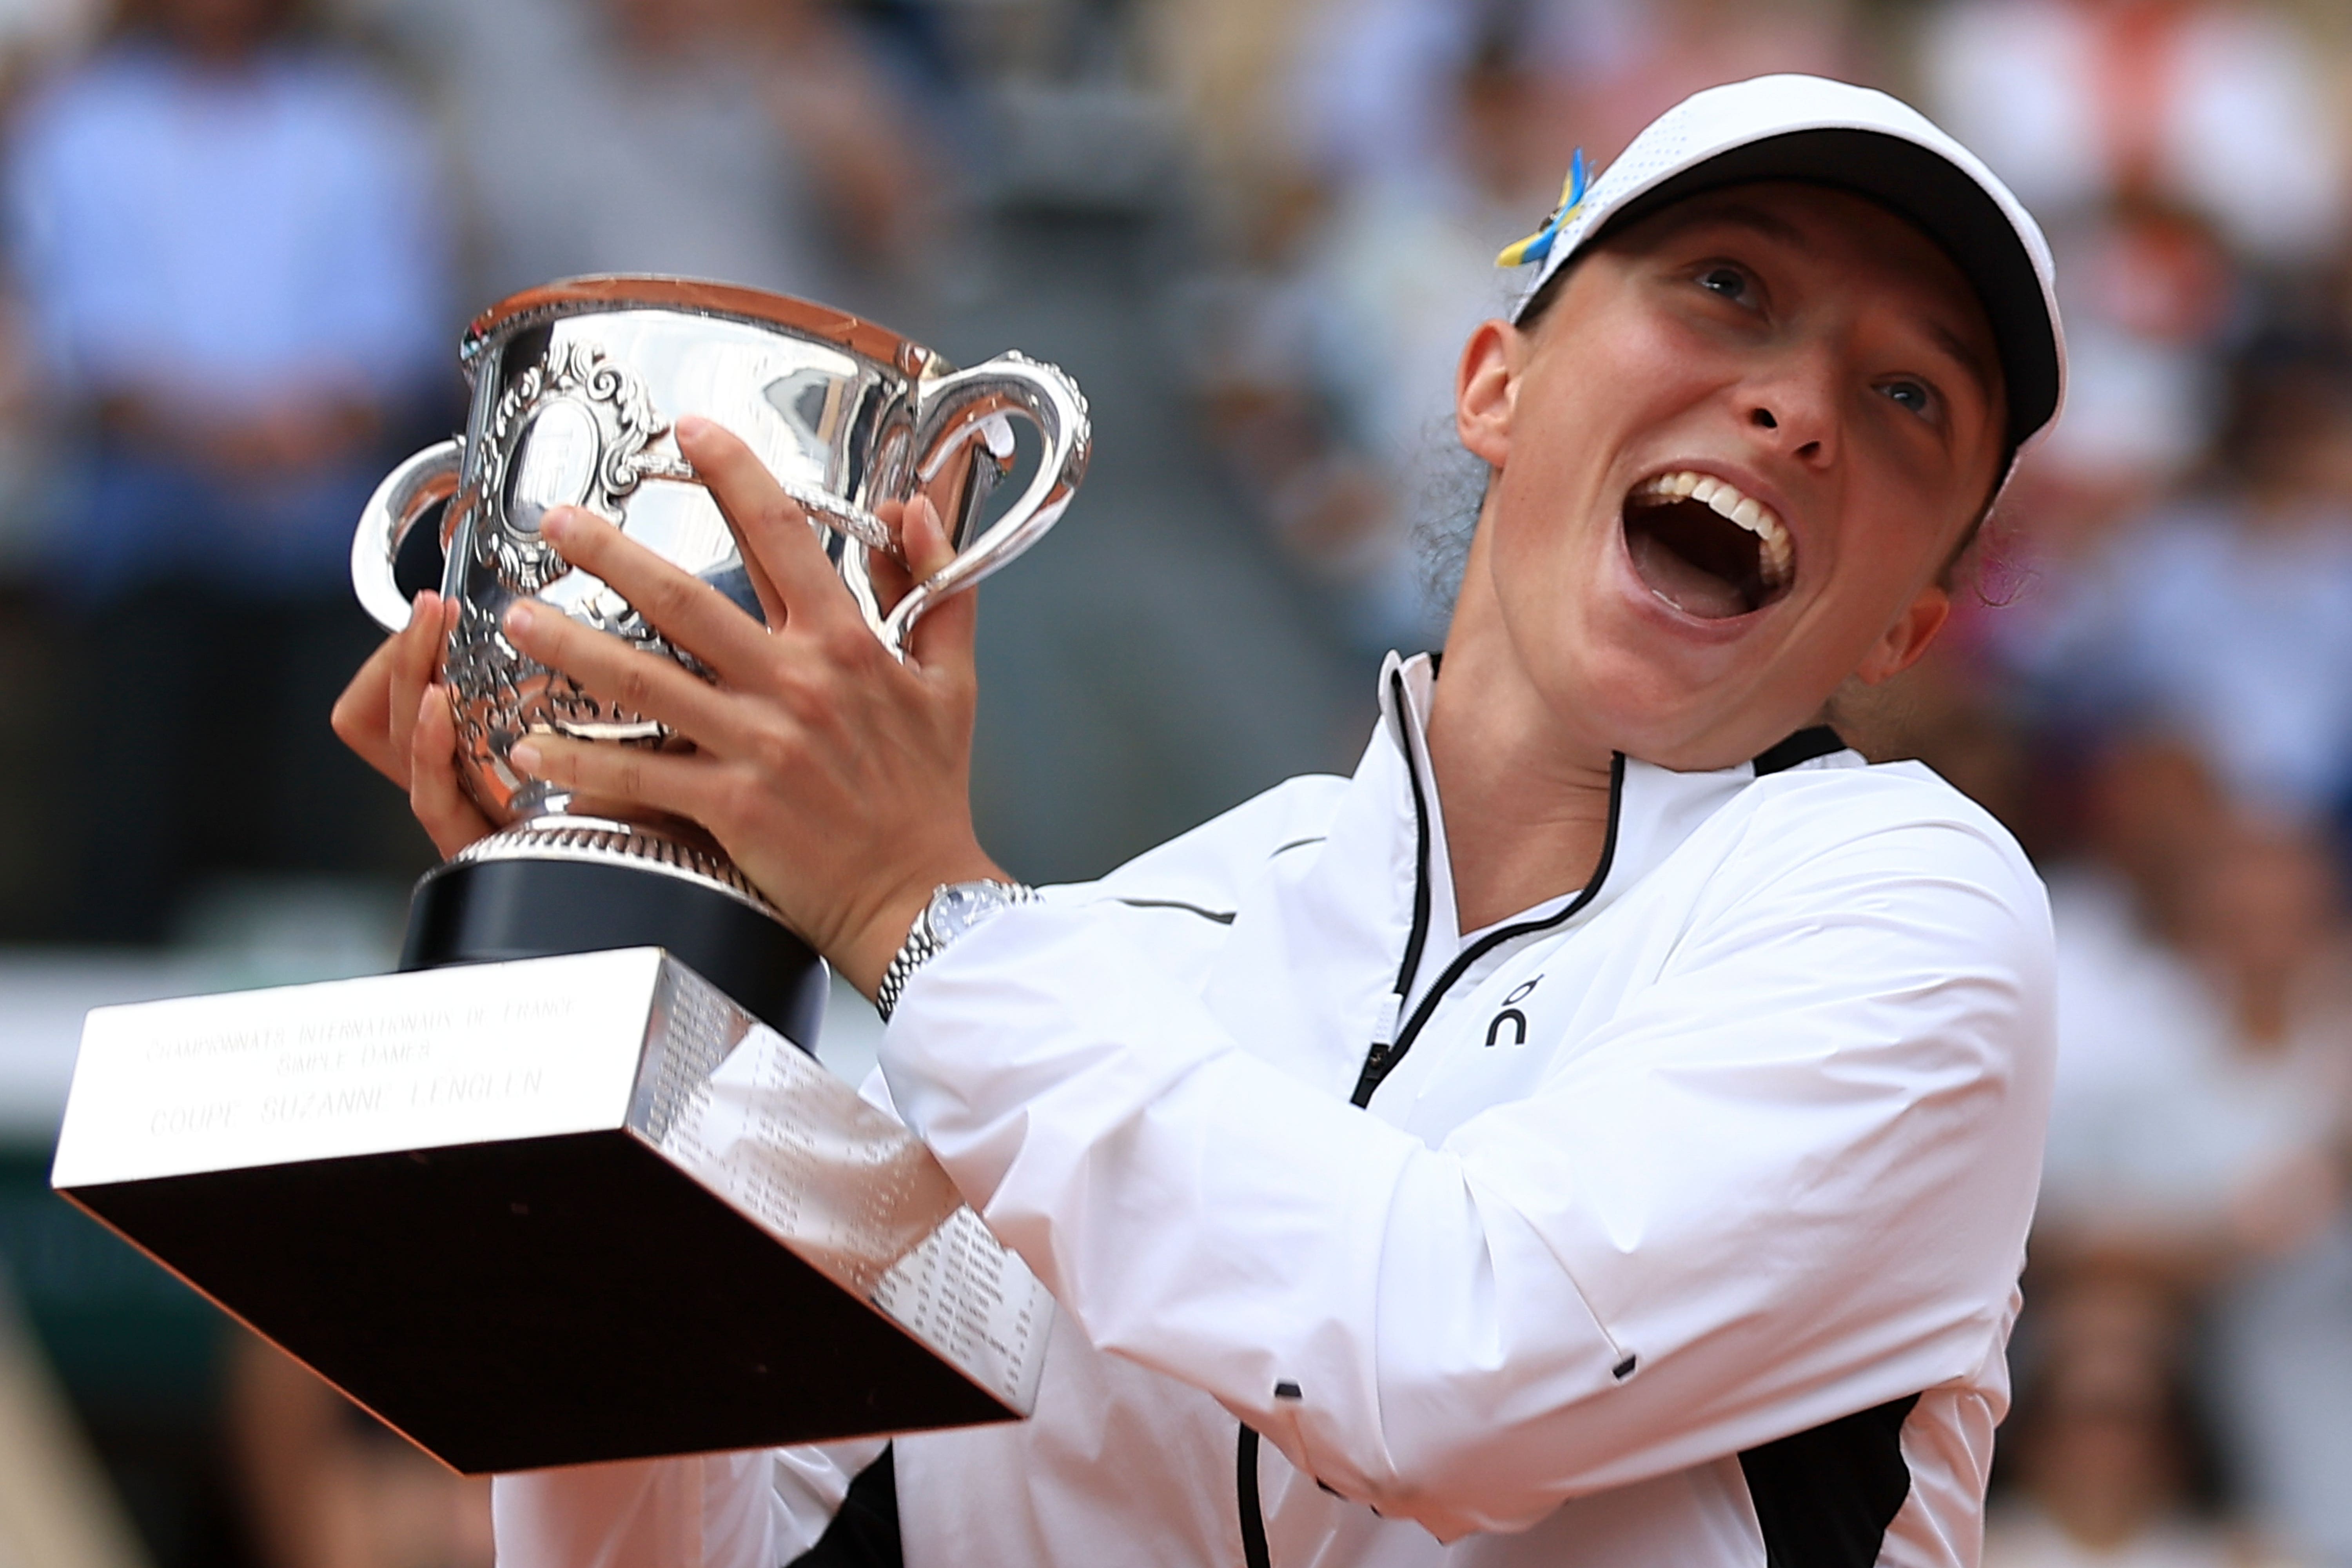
<point>1676,1224</point>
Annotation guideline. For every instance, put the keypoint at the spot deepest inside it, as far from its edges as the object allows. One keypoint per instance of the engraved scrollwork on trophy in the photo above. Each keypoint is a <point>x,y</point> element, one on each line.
<point>501,696</point>
<point>572,430</point>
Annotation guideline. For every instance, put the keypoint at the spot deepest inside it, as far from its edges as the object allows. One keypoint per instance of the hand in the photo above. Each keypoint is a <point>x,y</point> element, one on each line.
<point>837,777</point>
<point>398,718</point>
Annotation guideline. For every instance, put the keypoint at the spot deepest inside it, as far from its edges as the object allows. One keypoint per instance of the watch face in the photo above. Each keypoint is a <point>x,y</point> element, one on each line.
<point>956,910</point>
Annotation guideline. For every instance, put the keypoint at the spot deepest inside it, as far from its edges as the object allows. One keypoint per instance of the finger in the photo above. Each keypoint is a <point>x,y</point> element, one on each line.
<point>629,678</point>
<point>887,572</point>
<point>419,661</point>
<point>686,610</point>
<point>924,538</point>
<point>361,716</point>
<point>449,816</point>
<point>940,643</point>
<point>943,643</point>
<point>769,525</point>
<point>773,608</point>
<point>682,783</point>
<point>367,717</point>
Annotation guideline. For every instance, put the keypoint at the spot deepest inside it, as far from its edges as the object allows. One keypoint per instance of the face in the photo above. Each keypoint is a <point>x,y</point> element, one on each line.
<point>1732,463</point>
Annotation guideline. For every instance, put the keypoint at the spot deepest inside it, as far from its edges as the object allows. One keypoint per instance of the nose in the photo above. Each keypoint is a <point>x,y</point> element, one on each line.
<point>1795,410</point>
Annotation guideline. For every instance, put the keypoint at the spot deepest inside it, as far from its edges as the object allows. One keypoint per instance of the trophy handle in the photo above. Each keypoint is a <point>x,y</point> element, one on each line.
<point>960,408</point>
<point>379,550</point>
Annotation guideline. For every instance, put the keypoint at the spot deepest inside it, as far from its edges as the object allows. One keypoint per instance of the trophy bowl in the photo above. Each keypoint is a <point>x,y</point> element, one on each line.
<point>575,389</point>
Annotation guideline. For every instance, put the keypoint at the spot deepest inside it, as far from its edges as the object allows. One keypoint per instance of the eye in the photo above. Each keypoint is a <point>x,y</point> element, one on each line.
<point>1729,281</point>
<point>1912,395</point>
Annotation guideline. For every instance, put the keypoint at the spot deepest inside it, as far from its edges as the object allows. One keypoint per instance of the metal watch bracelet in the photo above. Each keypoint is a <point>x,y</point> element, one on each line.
<point>954,909</point>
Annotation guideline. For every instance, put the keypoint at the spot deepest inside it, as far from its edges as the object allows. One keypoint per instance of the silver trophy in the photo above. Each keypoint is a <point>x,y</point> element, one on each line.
<point>576,390</point>
<point>574,1189</point>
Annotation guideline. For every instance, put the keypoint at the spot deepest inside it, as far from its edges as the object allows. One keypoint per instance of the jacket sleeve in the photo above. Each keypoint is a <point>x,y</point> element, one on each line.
<point>760,1509</point>
<point>1788,1181</point>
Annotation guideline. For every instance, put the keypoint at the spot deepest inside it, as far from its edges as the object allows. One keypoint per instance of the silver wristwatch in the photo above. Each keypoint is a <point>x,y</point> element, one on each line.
<point>955,908</point>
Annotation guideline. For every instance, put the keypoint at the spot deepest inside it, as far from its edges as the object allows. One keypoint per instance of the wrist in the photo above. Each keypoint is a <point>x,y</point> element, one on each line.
<point>865,952</point>
<point>955,911</point>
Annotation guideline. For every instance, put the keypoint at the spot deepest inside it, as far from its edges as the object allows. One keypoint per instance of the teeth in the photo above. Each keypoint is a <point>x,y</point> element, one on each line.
<point>1778,554</point>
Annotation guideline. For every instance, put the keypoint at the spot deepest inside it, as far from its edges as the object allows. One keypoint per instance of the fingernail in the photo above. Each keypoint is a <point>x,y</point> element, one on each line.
<point>557,524</point>
<point>524,756</point>
<point>519,617</point>
<point>691,426</point>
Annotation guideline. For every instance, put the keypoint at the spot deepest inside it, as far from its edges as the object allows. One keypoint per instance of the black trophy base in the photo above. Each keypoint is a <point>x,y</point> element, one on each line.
<point>541,1302</point>
<point>487,911</point>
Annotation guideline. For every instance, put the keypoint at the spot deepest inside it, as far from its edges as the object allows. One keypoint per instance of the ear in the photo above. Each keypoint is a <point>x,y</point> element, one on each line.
<point>1485,389</point>
<point>1907,638</point>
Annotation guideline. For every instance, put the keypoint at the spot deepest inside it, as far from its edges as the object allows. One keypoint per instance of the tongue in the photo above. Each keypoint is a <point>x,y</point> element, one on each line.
<point>1684,584</point>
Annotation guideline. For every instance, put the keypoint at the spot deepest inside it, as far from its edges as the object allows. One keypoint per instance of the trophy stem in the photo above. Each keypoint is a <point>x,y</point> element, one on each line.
<point>497,908</point>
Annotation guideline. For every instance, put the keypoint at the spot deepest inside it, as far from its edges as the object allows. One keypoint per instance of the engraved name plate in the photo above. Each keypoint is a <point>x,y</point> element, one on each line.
<point>551,1212</point>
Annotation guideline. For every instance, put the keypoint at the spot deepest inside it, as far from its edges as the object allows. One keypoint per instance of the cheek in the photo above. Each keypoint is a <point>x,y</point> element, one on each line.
<point>1602,390</point>
<point>1616,388</point>
<point>1891,559</point>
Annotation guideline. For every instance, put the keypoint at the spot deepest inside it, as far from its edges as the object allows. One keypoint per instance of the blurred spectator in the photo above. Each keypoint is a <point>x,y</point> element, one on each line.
<point>2221,108</point>
<point>226,240</point>
<point>2205,1044</point>
<point>1621,64</point>
<point>2178,151</point>
<point>2265,922</point>
<point>1229,64</point>
<point>2199,1134</point>
<point>1389,290</point>
<point>1374,86</point>
<point>2100,1450</point>
<point>225,234</point>
<point>2151,294</point>
<point>1330,389</point>
<point>2228,615</point>
<point>751,140</point>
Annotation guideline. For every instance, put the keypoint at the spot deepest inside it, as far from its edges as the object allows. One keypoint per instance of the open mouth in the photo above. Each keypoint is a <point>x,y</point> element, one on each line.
<point>1705,548</point>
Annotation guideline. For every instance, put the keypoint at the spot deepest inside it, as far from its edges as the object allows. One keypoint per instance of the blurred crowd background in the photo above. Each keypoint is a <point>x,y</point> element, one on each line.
<point>240,239</point>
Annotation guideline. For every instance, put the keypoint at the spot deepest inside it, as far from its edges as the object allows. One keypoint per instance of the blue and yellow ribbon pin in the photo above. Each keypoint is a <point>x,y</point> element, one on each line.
<point>1537,246</point>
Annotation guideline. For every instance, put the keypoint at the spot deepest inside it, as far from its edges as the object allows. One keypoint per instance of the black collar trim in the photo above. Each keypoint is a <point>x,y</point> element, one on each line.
<point>1821,741</point>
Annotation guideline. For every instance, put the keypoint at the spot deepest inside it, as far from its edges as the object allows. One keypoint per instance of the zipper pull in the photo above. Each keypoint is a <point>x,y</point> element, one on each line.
<point>1376,1060</point>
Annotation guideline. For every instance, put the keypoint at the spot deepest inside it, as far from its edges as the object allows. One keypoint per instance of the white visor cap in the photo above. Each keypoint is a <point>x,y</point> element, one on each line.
<point>1827,133</point>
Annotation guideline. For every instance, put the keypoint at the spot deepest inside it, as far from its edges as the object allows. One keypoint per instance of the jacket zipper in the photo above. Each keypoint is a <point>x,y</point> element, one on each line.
<point>1385,1047</point>
<point>1385,1053</point>
<point>1393,1042</point>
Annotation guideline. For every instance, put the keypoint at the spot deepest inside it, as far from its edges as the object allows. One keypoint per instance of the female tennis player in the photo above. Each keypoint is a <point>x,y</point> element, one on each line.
<point>1604,1129</point>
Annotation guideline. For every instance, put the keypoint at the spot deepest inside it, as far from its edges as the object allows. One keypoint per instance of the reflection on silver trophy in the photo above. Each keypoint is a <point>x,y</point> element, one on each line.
<point>574,1190</point>
<point>576,390</point>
